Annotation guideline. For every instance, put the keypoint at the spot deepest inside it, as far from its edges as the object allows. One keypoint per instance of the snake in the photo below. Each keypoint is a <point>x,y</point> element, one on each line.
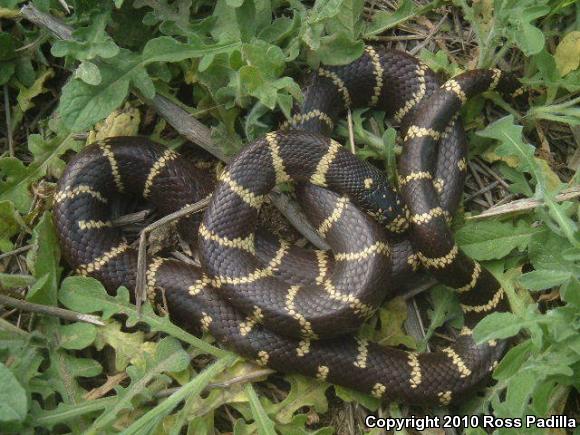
<point>293,309</point>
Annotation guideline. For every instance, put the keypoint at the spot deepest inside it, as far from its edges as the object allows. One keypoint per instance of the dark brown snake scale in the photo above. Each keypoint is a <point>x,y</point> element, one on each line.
<point>290,308</point>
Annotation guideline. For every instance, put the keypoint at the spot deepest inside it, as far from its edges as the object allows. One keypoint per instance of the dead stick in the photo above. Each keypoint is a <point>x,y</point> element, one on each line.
<point>523,204</point>
<point>50,311</point>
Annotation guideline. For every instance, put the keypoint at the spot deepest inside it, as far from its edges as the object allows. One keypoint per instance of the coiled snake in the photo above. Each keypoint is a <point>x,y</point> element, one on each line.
<point>291,308</point>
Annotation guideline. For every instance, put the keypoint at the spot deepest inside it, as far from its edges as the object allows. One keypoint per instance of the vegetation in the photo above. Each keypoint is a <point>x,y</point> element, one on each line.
<point>238,67</point>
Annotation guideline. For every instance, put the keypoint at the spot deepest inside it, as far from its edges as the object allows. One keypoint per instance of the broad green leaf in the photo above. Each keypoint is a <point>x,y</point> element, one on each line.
<point>77,335</point>
<point>89,73</point>
<point>339,49</point>
<point>513,360</point>
<point>13,400</point>
<point>350,395</point>
<point>567,54</point>
<point>543,279</point>
<point>489,240</point>
<point>325,9</point>
<point>571,292</point>
<point>81,104</point>
<point>497,326</point>
<point>348,19</point>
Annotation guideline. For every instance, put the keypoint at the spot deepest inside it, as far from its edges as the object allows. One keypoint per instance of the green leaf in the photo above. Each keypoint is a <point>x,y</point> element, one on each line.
<point>128,346</point>
<point>167,49</point>
<point>303,392</point>
<point>82,105</point>
<point>169,357</point>
<point>510,137</point>
<point>63,372</point>
<point>27,94</point>
<point>11,280</point>
<point>339,49</point>
<point>88,42</point>
<point>13,400</point>
<point>263,422</point>
<point>43,260</point>
<point>529,38</point>
<point>16,178</point>
<point>10,224</point>
<point>89,73</point>
<point>571,292</point>
<point>7,46</point>
<point>489,240</point>
<point>87,295</point>
<point>383,20</point>
<point>191,389</point>
<point>543,279</point>
<point>513,360</point>
<point>497,326</point>
<point>77,335</point>
<point>567,55</point>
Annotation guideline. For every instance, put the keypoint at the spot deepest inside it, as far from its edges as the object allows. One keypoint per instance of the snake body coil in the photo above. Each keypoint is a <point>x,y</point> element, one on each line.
<point>288,307</point>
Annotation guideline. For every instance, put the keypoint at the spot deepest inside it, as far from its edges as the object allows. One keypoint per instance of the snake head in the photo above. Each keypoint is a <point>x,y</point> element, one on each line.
<point>385,206</point>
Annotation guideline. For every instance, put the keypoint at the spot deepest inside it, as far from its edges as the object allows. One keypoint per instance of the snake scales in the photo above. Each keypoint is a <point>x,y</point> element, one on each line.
<point>290,308</point>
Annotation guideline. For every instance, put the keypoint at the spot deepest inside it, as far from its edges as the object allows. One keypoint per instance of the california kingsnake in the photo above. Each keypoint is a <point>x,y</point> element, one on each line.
<point>273,302</point>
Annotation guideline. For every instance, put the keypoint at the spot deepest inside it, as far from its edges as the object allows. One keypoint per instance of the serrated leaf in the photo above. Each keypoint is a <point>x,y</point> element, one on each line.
<point>510,137</point>
<point>169,356</point>
<point>26,95</point>
<point>303,392</point>
<point>127,345</point>
<point>88,42</point>
<point>13,400</point>
<point>489,240</point>
<point>87,295</point>
<point>81,104</point>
